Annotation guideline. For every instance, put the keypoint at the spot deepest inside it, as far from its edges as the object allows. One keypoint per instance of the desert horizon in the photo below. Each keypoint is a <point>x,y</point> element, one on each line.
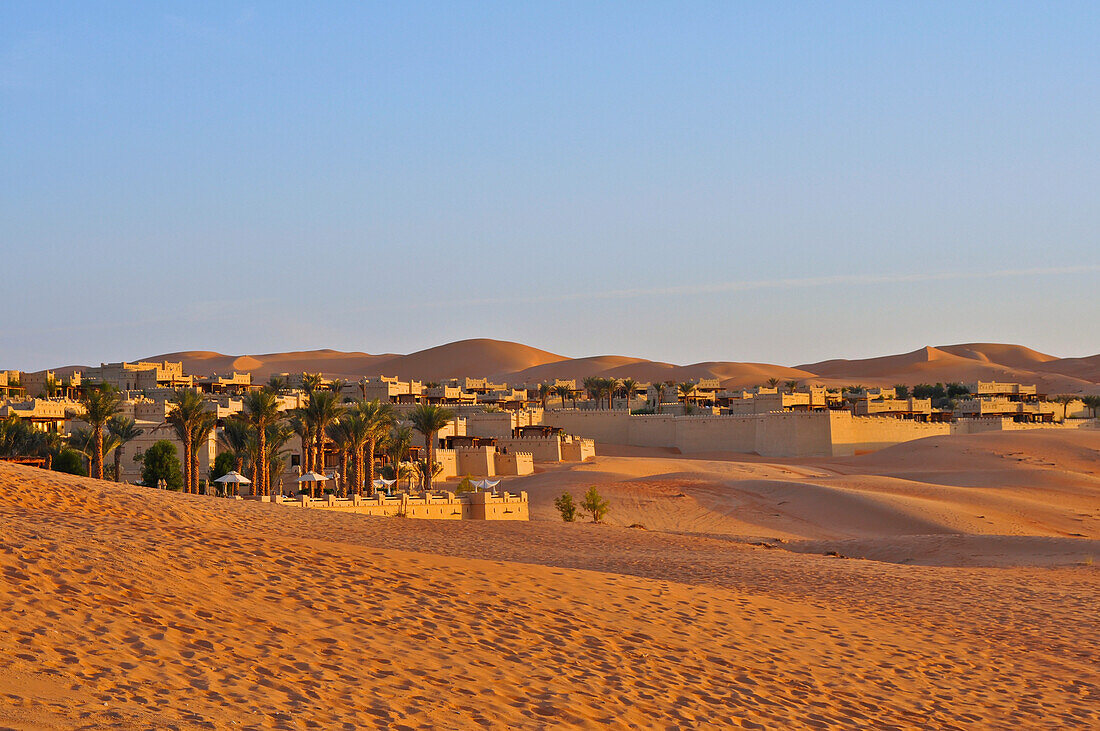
<point>519,363</point>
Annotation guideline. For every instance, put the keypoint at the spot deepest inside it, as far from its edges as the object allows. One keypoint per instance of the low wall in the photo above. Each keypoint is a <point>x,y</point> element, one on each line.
<point>434,506</point>
<point>856,434</point>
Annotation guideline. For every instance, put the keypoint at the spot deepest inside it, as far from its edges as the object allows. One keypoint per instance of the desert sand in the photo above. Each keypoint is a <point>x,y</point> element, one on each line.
<point>134,608</point>
<point>517,363</point>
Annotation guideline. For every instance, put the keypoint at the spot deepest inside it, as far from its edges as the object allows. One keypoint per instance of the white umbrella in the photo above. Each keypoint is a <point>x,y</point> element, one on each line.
<point>491,484</point>
<point>235,478</point>
<point>313,477</point>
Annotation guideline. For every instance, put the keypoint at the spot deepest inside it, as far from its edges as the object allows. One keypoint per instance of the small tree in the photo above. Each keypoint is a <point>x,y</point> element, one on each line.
<point>566,507</point>
<point>70,462</point>
<point>595,505</point>
<point>224,463</point>
<point>160,462</point>
<point>467,485</point>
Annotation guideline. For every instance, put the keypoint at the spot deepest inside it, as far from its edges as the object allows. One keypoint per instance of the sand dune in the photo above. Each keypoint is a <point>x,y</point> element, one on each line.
<point>518,363</point>
<point>132,608</point>
<point>1037,484</point>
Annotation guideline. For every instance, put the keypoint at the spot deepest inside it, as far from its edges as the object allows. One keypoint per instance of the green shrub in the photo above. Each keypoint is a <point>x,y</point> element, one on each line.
<point>70,462</point>
<point>160,462</point>
<point>595,505</point>
<point>566,507</point>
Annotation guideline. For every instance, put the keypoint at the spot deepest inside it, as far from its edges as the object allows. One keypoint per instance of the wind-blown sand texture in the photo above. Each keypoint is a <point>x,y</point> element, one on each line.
<point>518,363</point>
<point>134,608</point>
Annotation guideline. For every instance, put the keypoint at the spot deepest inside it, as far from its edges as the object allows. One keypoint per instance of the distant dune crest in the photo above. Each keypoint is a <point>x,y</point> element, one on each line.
<point>519,363</point>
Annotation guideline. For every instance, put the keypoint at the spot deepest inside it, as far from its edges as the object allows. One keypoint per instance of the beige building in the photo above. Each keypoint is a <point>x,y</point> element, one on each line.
<point>1016,401</point>
<point>46,415</point>
<point>140,376</point>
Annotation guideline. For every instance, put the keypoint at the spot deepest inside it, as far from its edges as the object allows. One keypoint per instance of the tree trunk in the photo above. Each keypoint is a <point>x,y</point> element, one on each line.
<point>358,470</point>
<point>98,466</point>
<point>195,470</point>
<point>118,463</point>
<point>371,443</point>
<point>187,462</point>
<point>430,444</point>
<point>262,459</point>
<point>344,472</point>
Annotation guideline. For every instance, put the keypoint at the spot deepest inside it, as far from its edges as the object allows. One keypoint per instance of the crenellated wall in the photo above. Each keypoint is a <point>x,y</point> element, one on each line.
<point>515,463</point>
<point>434,506</point>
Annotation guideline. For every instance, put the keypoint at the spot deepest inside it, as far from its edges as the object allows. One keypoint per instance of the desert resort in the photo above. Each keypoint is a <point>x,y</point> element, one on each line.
<point>219,549</point>
<point>385,446</point>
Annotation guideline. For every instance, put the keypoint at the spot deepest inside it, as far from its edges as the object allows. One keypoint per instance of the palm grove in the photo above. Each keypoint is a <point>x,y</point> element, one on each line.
<point>253,443</point>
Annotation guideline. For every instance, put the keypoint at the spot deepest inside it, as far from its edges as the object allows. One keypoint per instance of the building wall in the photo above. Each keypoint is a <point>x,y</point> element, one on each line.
<point>515,463</point>
<point>856,434</point>
<point>541,449</point>
<point>577,450</point>
<point>476,461</point>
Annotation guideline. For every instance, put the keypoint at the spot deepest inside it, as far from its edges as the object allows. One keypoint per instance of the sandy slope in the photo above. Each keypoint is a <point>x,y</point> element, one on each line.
<point>518,363</point>
<point>1014,484</point>
<point>134,608</point>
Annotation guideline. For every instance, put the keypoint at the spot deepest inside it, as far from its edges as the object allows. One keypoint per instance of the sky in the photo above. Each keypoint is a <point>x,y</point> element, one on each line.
<point>683,181</point>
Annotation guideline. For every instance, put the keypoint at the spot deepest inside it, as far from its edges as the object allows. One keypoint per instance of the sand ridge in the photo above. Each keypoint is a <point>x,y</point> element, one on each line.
<point>518,363</point>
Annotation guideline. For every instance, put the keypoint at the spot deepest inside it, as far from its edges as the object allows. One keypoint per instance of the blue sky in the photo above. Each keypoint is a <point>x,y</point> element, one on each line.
<point>680,181</point>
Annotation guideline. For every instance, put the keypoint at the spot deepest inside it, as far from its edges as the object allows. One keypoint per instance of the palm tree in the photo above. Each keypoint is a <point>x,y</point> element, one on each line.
<point>311,382</point>
<point>427,469</point>
<point>610,387</point>
<point>428,419</point>
<point>301,426</point>
<point>686,389</point>
<point>206,422</point>
<point>100,404</point>
<point>322,410</point>
<point>275,456</point>
<point>398,444</point>
<point>1093,404</point>
<point>591,386</point>
<point>340,435</point>
<point>275,384</point>
<point>49,445</point>
<point>262,411</point>
<point>630,386</point>
<point>544,394</point>
<point>378,418</point>
<point>337,386</point>
<point>773,382</point>
<point>125,429</point>
<point>234,438</point>
<point>791,385</point>
<point>187,408</point>
<point>563,393</point>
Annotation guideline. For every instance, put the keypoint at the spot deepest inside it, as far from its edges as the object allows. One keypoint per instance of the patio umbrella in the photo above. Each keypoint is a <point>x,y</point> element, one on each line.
<point>491,484</point>
<point>235,478</point>
<point>313,478</point>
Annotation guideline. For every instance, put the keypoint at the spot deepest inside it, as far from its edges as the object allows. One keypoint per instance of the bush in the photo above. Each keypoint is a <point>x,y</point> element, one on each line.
<point>70,462</point>
<point>643,411</point>
<point>160,462</point>
<point>594,505</point>
<point>467,485</point>
<point>224,463</point>
<point>566,507</point>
